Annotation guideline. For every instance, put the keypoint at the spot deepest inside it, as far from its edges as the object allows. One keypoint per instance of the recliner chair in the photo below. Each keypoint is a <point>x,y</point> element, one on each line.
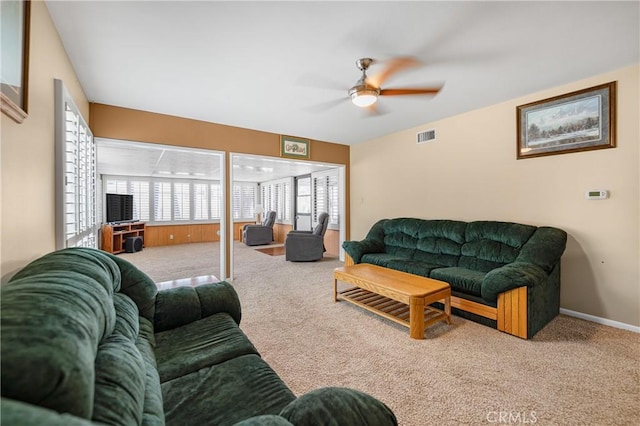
<point>255,235</point>
<point>307,246</point>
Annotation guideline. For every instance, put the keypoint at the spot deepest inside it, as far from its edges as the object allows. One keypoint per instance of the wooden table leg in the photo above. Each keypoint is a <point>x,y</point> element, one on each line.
<point>447,308</point>
<point>416,317</point>
<point>335,290</point>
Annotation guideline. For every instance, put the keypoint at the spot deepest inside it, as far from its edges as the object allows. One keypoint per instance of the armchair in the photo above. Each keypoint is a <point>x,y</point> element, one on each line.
<point>255,235</point>
<point>307,246</point>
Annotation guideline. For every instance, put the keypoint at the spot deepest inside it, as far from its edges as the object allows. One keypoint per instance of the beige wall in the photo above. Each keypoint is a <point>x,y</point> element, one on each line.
<point>471,173</point>
<point>27,152</point>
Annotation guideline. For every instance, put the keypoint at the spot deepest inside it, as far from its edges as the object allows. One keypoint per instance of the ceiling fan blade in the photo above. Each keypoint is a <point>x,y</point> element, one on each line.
<point>401,92</point>
<point>324,106</point>
<point>394,65</point>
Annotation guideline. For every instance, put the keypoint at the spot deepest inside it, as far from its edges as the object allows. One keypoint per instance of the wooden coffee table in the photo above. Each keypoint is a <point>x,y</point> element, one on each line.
<point>398,296</point>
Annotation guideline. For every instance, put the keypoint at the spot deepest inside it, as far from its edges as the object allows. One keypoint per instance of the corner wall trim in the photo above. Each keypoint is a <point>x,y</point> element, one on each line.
<point>599,320</point>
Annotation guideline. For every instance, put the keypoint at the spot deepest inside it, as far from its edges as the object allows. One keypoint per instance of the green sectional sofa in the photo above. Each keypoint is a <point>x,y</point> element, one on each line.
<point>88,339</point>
<point>502,274</point>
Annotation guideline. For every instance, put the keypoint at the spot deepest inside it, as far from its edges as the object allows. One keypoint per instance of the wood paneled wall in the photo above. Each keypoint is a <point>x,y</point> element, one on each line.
<point>164,235</point>
<point>280,231</point>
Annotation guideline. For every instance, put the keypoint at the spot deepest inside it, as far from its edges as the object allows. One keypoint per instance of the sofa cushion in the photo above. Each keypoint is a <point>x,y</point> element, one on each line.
<point>266,420</point>
<point>380,259</point>
<point>491,244</point>
<point>120,382</point>
<point>401,237</point>
<point>137,285</point>
<point>337,406</point>
<point>153,411</point>
<point>127,323</point>
<point>433,241</point>
<point>225,393</point>
<point>20,413</point>
<point>466,281</point>
<point>208,341</point>
<point>412,266</point>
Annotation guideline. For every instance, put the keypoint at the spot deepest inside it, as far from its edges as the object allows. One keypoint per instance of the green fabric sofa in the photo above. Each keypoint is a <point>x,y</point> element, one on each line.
<point>502,274</point>
<point>88,339</point>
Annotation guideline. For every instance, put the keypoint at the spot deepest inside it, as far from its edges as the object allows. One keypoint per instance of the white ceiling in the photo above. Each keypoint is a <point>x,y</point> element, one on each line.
<point>275,66</point>
<point>126,158</point>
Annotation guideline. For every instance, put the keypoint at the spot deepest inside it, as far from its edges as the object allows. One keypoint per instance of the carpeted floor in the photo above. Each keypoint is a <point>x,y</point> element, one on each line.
<point>573,372</point>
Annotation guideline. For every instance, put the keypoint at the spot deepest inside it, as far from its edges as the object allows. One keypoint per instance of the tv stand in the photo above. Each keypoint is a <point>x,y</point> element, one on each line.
<point>114,235</point>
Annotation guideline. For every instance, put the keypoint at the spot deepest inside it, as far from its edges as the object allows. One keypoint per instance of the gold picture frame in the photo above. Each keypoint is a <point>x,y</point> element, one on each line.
<point>292,147</point>
<point>14,78</point>
<point>578,121</point>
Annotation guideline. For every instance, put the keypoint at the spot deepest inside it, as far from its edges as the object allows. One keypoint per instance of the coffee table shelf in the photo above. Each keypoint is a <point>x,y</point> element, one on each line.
<point>388,308</point>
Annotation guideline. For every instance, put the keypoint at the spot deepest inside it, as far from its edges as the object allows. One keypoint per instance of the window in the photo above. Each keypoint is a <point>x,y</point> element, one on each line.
<point>276,196</point>
<point>170,200</point>
<point>201,206</point>
<point>326,196</point>
<point>141,196</point>
<point>76,201</point>
<point>181,201</point>
<point>140,192</point>
<point>216,201</point>
<point>161,202</point>
<point>244,200</point>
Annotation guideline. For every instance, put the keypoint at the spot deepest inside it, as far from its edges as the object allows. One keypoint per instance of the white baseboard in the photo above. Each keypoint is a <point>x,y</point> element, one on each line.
<point>599,320</point>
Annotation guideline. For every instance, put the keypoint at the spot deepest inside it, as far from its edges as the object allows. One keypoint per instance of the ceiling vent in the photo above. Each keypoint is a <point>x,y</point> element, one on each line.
<point>426,136</point>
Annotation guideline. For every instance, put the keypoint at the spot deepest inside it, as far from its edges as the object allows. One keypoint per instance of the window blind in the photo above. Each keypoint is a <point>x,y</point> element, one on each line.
<point>326,196</point>
<point>76,176</point>
<point>277,196</point>
<point>169,200</point>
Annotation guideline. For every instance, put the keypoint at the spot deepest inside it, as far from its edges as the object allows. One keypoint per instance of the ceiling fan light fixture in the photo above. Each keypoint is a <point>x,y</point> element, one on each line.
<point>364,96</point>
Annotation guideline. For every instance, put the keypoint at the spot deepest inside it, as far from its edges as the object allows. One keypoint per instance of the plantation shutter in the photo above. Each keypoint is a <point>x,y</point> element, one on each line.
<point>141,198</point>
<point>216,201</point>
<point>244,198</point>
<point>333,195</point>
<point>116,186</point>
<point>76,176</point>
<point>200,201</point>
<point>248,201</point>
<point>319,197</point>
<point>162,201</point>
<point>326,196</point>
<point>181,201</point>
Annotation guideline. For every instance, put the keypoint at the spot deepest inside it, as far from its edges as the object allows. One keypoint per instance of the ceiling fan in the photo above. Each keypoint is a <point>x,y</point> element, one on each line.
<point>367,89</point>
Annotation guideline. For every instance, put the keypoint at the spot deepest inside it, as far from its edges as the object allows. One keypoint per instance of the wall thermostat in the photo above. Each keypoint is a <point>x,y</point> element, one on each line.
<point>596,195</point>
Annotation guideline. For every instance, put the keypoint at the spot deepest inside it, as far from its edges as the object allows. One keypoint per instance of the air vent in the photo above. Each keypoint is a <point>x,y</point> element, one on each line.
<point>426,136</point>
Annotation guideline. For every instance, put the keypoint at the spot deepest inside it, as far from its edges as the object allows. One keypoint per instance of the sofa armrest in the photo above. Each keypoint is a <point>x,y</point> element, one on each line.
<point>510,276</point>
<point>338,406</point>
<point>182,305</point>
<point>356,249</point>
<point>20,413</point>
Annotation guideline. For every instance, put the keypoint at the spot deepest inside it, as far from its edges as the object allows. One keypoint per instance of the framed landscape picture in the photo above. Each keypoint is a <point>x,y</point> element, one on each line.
<point>578,121</point>
<point>294,147</point>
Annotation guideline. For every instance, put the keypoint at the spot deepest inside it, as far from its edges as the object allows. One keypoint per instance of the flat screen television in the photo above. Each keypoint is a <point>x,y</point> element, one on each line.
<point>119,208</point>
